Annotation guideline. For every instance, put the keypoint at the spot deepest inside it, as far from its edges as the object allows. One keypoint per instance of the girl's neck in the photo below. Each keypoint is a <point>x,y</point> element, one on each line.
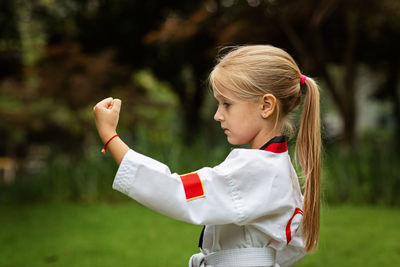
<point>262,138</point>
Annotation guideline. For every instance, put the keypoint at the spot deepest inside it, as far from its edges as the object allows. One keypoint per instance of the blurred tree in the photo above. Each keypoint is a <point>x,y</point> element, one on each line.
<point>347,34</point>
<point>123,26</point>
<point>92,50</point>
<point>92,47</point>
<point>381,53</point>
<point>53,107</point>
<point>10,56</point>
<point>331,39</point>
<point>185,49</point>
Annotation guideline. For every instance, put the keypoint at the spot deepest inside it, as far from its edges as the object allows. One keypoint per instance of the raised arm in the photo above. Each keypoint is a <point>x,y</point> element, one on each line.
<point>106,114</point>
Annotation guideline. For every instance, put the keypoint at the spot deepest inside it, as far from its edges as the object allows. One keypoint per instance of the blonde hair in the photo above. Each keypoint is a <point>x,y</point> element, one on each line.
<point>252,71</point>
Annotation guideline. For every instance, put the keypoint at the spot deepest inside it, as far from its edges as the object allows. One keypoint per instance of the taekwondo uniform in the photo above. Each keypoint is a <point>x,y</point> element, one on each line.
<point>250,204</point>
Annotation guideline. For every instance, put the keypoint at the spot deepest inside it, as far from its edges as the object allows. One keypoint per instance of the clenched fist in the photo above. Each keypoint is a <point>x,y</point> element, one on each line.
<point>106,114</point>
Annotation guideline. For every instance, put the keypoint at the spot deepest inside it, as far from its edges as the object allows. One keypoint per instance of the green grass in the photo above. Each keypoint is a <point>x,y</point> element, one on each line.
<point>93,235</point>
<point>357,236</point>
<point>127,234</point>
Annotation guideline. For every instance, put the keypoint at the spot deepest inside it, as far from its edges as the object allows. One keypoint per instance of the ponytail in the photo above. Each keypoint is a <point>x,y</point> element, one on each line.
<point>308,152</point>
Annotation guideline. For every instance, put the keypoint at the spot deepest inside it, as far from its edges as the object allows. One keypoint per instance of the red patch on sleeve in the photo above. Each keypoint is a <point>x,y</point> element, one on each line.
<point>193,186</point>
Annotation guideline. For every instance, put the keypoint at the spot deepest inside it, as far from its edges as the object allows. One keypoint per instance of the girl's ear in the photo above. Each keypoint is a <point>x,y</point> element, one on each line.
<point>268,105</point>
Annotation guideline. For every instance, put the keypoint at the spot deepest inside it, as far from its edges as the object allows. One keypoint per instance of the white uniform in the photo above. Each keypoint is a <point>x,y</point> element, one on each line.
<point>251,200</point>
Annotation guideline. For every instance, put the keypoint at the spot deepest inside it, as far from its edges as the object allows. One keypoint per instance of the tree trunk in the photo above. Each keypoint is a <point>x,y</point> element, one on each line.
<point>317,58</point>
<point>391,87</point>
<point>350,116</point>
<point>191,102</point>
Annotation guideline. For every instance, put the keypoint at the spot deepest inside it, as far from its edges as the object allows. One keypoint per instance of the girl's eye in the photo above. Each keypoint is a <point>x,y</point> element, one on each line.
<point>226,104</point>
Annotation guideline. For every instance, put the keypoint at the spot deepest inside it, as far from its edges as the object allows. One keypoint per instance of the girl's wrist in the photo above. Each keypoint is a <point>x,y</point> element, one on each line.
<point>106,136</point>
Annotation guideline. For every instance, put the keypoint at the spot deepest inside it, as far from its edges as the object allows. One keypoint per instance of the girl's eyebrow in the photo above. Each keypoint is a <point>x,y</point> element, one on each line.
<point>218,96</point>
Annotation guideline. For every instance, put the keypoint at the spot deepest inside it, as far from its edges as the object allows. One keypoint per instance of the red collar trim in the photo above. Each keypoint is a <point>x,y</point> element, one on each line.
<point>277,147</point>
<point>277,144</point>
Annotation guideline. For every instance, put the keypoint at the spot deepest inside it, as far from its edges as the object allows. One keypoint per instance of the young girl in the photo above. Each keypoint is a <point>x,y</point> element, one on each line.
<point>251,204</point>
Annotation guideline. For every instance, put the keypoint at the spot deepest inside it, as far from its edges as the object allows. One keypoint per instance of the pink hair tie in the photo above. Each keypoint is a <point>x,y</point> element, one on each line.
<point>303,79</point>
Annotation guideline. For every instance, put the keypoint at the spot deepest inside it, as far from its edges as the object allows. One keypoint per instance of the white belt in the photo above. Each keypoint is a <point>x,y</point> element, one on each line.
<point>242,257</point>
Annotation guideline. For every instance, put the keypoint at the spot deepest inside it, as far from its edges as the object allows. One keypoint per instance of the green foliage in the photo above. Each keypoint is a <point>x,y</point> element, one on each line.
<point>64,179</point>
<point>156,117</point>
<point>367,174</point>
<point>156,90</point>
<point>89,177</point>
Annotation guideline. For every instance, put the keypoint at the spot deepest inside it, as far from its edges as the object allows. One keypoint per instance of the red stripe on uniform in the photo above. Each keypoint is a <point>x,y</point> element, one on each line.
<point>288,231</point>
<point>277,147</point>
<point>192,185</point>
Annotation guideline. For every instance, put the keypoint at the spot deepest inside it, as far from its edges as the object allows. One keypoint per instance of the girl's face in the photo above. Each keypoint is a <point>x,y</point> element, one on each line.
<point>240,120</point>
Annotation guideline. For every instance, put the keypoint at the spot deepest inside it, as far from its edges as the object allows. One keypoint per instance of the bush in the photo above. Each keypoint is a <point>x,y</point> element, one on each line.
<point>89,178</point>
<point>367,174</point>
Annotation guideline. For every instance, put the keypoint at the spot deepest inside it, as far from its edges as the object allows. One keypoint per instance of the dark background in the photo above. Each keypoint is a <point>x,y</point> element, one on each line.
<point>58,58</point>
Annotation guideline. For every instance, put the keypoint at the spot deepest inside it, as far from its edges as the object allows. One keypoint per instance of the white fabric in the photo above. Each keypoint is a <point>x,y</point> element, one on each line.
<point>242,257</point>
<point>249,199</point>
<point>197,260</point>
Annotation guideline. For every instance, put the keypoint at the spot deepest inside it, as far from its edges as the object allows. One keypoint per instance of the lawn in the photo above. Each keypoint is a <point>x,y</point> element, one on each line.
<point>127,234</point>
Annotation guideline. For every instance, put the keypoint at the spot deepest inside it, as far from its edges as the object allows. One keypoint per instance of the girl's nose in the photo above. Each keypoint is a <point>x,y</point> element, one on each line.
<point>218,116</point>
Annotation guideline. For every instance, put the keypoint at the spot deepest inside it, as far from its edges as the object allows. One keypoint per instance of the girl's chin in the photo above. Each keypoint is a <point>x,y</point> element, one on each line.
<point>235,142</point>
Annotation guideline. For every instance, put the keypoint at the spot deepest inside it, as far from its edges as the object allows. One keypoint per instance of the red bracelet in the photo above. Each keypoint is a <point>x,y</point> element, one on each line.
<point>105,146</point>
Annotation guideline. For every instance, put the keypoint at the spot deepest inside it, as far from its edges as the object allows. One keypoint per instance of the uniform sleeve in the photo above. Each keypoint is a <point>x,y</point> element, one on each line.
<point>295,250</point>
<point>226,188</point>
